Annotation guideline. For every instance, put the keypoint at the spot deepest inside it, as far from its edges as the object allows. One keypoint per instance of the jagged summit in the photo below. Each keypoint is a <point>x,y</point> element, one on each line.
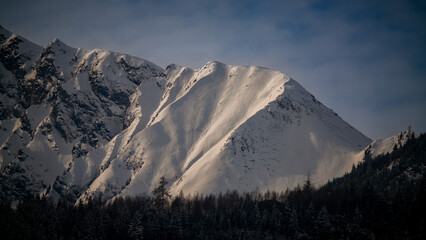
<point>96,122</point>
<point>57,104</point>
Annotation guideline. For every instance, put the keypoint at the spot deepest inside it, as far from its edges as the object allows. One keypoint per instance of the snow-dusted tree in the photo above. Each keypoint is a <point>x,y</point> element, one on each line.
<point>322,225</point>
<point>136,227</point>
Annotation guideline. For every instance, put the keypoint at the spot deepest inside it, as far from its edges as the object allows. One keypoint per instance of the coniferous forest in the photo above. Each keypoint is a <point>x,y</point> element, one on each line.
<point>381,198</point>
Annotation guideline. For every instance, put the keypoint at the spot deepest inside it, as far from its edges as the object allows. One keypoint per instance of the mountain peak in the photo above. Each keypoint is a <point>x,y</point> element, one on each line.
<point>171,67</point>
<point>100,122</point>
<point>57,43</point>
<point>213,63</point>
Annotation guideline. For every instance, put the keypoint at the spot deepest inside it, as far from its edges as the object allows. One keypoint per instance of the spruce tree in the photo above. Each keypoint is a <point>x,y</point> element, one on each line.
<point>161,193</point>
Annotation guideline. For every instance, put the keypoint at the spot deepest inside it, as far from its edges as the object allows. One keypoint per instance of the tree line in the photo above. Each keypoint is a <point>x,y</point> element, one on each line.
<point>381,198</point>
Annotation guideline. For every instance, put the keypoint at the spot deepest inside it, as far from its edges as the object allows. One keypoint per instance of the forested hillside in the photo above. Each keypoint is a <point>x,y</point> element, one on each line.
<point>381,198</point>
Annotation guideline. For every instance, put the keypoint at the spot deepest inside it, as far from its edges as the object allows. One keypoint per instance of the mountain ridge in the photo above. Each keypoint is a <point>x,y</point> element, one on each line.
<point>113,124</point>
<point>49,104</point>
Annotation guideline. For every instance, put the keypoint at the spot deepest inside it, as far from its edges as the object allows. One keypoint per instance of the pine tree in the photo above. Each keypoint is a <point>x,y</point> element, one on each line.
<point>161,193</point>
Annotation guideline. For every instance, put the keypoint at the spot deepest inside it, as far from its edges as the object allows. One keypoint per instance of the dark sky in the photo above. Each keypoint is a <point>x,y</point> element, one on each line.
<point>364,59</point>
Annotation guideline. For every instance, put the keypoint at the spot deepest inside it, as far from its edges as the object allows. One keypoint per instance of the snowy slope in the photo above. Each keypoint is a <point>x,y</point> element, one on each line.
<point>384,146</point>
<point>219,128</point>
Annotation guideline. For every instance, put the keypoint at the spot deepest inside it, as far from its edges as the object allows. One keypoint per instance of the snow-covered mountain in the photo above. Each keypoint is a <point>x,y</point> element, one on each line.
<point>57,104</point>
<point>98,122</point>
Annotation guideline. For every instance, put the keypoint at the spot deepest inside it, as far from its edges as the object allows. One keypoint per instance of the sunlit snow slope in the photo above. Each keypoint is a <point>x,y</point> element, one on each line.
<point>219,128</point>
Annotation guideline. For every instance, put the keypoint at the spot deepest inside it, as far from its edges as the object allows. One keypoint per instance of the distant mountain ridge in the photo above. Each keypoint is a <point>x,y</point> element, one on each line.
<point>103,123</point>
